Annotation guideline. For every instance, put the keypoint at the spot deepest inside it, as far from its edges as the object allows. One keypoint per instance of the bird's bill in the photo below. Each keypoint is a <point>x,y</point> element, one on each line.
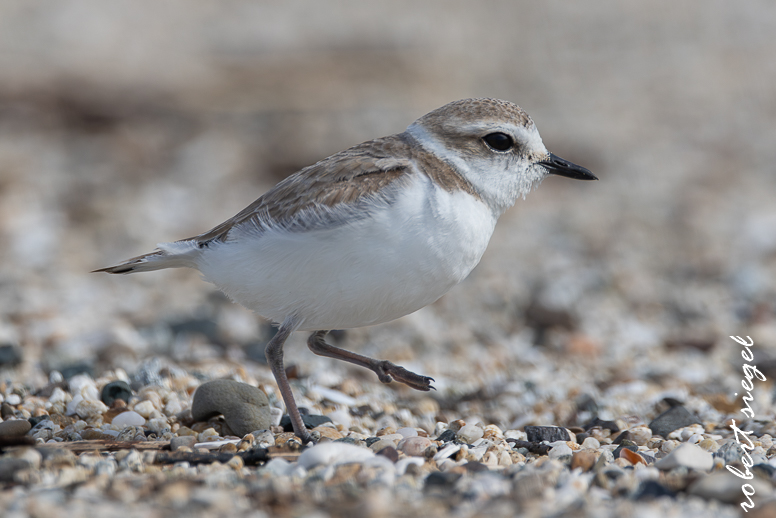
<point>556,165</point>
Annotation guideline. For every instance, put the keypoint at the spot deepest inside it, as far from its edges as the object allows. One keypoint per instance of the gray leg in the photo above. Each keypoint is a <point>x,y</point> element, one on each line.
<point>274,354</point>
<point>384,369</point>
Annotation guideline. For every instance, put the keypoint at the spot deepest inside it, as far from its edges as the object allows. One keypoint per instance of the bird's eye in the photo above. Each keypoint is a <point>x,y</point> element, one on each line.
<point>498,141</point>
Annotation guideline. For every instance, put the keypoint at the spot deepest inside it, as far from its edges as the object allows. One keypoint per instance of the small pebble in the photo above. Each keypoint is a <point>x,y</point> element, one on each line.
<point>245,408</point>
<point>688,455</point>
<point>115,390</point>
<point>546,433</point>
<point>470,433</point>
<point>186,440</point>
<point>333,453</point>
<point>128,418</point>
<point>583,459</point>
<point>672,419</point>
<point>561,452</point>
<point>14,428</point>
<point>414,446</point>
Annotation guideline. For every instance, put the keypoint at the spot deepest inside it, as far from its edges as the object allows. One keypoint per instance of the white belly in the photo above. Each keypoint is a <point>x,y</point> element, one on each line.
<point>377,269</point>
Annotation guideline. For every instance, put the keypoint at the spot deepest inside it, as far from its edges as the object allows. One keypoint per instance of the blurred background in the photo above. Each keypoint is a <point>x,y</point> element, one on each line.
<point>127,123</point>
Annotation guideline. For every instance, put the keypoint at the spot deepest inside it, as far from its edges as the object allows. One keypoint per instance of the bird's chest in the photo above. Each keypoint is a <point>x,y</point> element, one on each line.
<point>443,234</point>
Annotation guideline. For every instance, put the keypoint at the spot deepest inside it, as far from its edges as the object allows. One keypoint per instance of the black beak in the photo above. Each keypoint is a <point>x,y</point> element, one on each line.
<point>556,165</point>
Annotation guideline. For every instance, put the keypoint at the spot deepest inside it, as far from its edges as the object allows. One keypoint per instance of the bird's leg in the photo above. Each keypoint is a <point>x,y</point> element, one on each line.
<point>384,369</point>
<point>274,354</point>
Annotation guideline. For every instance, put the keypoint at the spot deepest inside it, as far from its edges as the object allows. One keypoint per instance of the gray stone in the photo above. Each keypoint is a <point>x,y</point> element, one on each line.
<point>184,440</point>
<point>546,433</point>
<point>14,428</point>
<point>245,408</point>
<point>726,487</point>
<point>115,390</point>
<point>672,419</point>
<point>688,455</point>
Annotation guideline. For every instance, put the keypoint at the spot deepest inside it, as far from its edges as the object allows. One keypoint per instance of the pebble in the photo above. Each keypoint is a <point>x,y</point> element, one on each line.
<point>14,428</point>
<point>128,418</point>
<point>582,459</point>
<point>414,446</point>
<point>687,455</point>
<point>470,433</point>
<point>89,408</point>
<point>561,452</point>
<point>390,453</point>
<point>726,487</point>
<point>145,409</point>
<point>333,453</point>
<point>640,435</point>
<point>115,390</point>
<point>446,436</point>
<point>591,443</point>
<point>379,444</point>
<point>546,433</point>
<point>184,441</point>
<point>245,408</point>
<point>672,419</point>
<point>310,421</point>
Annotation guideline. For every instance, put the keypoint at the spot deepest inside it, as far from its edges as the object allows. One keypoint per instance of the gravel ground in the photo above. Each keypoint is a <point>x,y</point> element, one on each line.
<point>601,310</point>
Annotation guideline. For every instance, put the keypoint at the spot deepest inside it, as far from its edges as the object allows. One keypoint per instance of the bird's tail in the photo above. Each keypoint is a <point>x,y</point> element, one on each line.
<point>180,254</point>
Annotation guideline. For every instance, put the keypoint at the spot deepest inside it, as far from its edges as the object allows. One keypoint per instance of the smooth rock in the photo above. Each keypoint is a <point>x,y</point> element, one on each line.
<point>310,421</point>
<point>245,408</point>
<point>333,453</point>
<point>115,390</point>
<point>128,418</point>
<point>597,422</point>
<point>14,428</point>
<point>640,435</point>
<point>185,440</point>
<point>414,446</point>
<point>546,433</point>
<point>470,433</point>
<point>407,432</point>
<point>672,419</point>
<point>591,443</point>
<point>688,455</point>
<point>379,444</point>
<point>90,408</point>
<point>726,487</point>
<point>390,453</point>
<point>561,452</point>
<point>583,459</point>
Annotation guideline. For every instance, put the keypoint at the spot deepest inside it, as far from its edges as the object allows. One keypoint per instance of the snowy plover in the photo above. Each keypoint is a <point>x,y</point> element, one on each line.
<point>371,233</point>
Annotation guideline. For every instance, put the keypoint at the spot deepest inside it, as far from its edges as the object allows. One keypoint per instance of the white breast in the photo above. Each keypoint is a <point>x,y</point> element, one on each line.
<point>377,269</point>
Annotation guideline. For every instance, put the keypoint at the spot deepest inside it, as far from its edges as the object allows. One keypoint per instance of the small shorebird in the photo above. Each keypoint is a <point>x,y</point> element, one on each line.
<point>371,233</point>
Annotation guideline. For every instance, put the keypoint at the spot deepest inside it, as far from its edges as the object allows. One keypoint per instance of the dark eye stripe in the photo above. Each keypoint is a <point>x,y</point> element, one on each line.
<point>498,141</point>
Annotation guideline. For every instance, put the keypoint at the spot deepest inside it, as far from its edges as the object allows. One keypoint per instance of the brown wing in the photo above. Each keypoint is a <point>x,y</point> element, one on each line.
<point>354,175</point>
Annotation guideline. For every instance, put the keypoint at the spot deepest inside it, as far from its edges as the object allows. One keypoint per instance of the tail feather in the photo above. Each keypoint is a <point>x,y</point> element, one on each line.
<point>180,254</point>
